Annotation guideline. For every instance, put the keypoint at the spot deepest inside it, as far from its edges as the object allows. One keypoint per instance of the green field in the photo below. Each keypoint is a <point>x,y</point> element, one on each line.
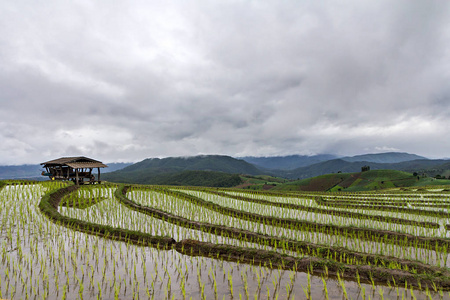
<point>165,242</point>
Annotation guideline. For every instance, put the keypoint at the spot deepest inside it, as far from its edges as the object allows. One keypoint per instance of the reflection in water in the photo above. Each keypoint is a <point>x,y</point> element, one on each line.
<point>41,260</point>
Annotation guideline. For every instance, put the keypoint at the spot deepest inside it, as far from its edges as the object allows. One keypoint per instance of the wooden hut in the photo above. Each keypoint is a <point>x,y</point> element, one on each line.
<point>77,169</point>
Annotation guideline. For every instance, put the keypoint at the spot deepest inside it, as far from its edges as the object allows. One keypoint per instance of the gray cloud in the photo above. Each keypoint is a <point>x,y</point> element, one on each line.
<point>126,81</point>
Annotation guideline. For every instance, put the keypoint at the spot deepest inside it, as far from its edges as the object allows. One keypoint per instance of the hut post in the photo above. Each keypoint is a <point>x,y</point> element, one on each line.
<point>76,174</point>
<point>98,179</point>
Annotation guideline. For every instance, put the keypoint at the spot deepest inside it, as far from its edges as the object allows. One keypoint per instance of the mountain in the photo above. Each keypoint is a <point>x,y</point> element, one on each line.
<point>388,157</point>
<point>289,162</point>
<point>340,165</point>
<point>34,171</point>
<point>20,172</point>
<point>147,170</point>
<point>360,181</point>
<point>292,162</point>
<point>219,163</point>
<point>326,167</point>
<point>429,167</point>
<point>197,178</point>
<point>291,167</point>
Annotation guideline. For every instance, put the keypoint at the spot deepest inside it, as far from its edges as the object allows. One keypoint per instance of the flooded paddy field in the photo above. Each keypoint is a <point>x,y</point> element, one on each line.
<point>220,248</point>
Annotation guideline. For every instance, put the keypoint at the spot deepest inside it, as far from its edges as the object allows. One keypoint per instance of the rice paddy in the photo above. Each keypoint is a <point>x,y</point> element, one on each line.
<point>152,242</point>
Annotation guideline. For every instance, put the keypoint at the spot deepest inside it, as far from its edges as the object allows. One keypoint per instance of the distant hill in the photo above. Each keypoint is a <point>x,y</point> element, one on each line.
<point>429,167</point>
<point>34,171</point>
<point>148,170</point>
<point>325,163</point>
<point>322,168</point>
<point>114,167</point>
<point>197,178</point>
<point>282,166</point>
<point>260,182</point>
<point>20,172</point>
<point>388,157</point>
<point>289,162</point>
<point>340,165</point>
<point>360,181</point>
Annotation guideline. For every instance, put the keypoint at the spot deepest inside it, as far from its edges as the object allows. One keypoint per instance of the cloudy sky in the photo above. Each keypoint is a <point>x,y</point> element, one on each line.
<point>128,80</point>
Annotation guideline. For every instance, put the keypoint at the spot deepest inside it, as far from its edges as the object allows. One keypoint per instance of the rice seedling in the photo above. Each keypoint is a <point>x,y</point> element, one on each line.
<point>44,258</point>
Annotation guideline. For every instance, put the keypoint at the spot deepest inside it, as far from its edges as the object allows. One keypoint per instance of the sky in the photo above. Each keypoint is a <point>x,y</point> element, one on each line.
<point>121,81</point>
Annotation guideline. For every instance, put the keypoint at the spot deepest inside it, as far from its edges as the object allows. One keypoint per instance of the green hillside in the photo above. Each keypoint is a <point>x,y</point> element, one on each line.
<point>184,178</point>
<point>198,178</point>
<point>421,166</point>
<point>361,181</point>
<point>383,158</point>
<point>319,183</point>
<point>172,170</point>
<point>260,182</point>
<point>219,163</point>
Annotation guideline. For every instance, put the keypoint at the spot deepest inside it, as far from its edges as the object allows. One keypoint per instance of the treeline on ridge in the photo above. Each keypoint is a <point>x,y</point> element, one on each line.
<point>184,178</point>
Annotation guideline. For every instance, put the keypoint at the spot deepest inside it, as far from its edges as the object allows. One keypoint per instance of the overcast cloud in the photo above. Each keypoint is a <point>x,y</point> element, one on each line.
<point>128,80</point>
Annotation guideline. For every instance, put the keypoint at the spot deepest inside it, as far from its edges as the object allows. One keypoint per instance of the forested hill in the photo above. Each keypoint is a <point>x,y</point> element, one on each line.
<point>361,181</point>
<point>427,166</point>
<point>219,163</point>
<point>291,162</point>
<point>289,167</point>
<point>384,158</point>
<point>148,170</point>
<point>288,162</point>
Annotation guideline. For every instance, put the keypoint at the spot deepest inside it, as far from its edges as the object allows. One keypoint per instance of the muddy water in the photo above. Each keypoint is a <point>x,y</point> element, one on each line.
<point>41,260</point>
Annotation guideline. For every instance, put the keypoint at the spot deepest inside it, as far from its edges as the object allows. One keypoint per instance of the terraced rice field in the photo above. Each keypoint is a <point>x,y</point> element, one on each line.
<point>136,242</point>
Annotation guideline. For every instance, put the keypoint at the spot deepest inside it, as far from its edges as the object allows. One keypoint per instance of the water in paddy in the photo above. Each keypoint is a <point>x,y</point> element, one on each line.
<point>74,265</point>
<point>197,213</point>
<point>41,260</point>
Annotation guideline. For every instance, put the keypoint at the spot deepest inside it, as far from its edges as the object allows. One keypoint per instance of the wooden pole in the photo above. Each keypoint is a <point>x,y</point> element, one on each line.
<point>76,174</point>
<point>98,175</point>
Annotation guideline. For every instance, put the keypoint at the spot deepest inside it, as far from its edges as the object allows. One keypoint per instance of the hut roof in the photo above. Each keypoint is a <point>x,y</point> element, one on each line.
<point>75,162</point>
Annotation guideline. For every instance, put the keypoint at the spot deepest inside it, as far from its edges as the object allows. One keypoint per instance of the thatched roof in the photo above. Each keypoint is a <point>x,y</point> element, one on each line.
<point>75,162</point>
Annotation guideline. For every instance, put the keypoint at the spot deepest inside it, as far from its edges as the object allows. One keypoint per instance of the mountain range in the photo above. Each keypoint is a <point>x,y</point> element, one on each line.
<point>30,171</point>
<point>289,162</point>
<point>339,165</point>
<point>150,170</point>
<point>292,167</point>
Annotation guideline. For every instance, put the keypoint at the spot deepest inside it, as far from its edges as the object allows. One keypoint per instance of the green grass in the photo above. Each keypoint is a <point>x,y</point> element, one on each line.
<point>432,181</point>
